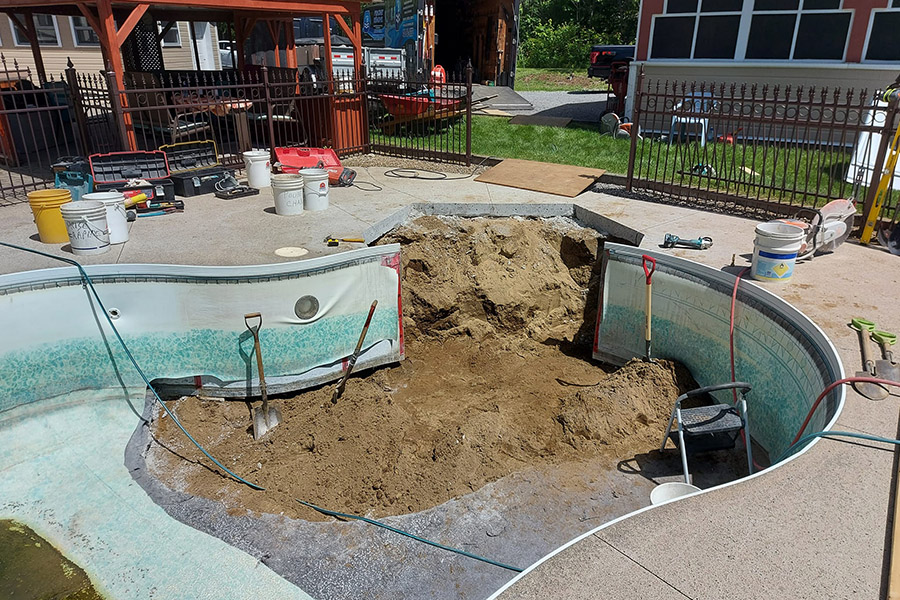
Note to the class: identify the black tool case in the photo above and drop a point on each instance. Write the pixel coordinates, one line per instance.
(113, 171)
(194, 167)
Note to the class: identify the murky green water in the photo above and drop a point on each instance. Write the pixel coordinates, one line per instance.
(32, 569)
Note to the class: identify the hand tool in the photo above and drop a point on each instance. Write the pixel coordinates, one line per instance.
(648, 273)
(264, 419)
(872, 391)
(700, 243)
(886, 368)
(352, 362)
(333, 241)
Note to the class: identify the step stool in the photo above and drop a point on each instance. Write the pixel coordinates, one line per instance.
(708, 428)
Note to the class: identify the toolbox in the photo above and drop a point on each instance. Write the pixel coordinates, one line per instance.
(113, 171)
(195, 167)
(293, 159)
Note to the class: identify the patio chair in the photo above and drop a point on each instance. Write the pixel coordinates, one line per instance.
(692, 112)
(157, 116)
(711, 427)
(286, 123)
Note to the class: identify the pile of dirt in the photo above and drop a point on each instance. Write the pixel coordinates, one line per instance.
(497, 379)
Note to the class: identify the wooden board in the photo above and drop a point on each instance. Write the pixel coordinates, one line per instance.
(562, 180)
(539, 120)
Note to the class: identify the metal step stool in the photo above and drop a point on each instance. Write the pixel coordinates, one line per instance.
(708, 428)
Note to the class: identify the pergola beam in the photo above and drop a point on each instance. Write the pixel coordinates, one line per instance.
(128, 26)
(27, 27)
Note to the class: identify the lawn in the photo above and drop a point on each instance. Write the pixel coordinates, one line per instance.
(557, 80)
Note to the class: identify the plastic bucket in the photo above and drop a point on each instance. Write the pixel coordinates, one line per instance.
(116, 219)
(86, 223)
(45, 208)
(669, 491)
(288, 192)
(775, 251)
(257, 163)
(315, 186)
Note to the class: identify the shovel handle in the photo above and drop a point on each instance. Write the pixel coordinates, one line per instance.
(259, 362)
(884, 338)
(648, 272)
(862, 326)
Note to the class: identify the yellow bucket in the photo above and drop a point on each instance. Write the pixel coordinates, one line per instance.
(45, 206)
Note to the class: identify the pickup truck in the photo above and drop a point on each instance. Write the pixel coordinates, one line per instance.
(603, 56)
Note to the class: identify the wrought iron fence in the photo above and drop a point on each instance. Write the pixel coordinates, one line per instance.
(763, 150)
(258, 107)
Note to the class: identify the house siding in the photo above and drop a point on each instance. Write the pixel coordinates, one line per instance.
(89, 59)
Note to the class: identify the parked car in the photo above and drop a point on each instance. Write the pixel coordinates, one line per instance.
(603, 56)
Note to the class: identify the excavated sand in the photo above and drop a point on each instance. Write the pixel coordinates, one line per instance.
(499, 316)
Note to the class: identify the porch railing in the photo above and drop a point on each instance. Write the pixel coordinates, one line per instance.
(81, 114)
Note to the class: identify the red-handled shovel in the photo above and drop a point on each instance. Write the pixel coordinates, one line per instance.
(648, 273)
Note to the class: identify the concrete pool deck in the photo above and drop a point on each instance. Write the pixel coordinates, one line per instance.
(816, 527)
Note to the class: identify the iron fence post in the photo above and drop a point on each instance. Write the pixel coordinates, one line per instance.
(887, 134)
(635, 127)
(116, 104)
(364, 99)
(77, 106)
(469, 114)
(269, 117)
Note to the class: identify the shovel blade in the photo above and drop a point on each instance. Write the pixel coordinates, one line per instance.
(885, 369)
(263, 425)
(872, 391)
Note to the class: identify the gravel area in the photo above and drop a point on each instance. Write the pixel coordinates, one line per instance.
(578, 106)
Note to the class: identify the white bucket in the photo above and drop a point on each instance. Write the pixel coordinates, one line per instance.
(86, 224)
(669, 491)
(315, 184)
(257, 163)
(288, 192)
(116, 218)
(775, 251)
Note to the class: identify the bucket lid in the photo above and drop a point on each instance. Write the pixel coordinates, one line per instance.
(671, 490)
(82, 207)
(314, 173)
(780, 230)
(256, 154)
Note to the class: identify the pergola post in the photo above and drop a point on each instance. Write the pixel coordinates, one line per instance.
(26, 25)
(291, 45)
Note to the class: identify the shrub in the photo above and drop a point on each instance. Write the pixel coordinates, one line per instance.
(565, 46)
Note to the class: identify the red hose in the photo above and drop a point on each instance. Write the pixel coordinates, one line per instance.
(831, 387)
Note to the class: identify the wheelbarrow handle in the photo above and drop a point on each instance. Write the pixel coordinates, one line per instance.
(648, 272)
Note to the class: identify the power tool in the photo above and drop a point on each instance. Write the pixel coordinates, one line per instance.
(700, 243)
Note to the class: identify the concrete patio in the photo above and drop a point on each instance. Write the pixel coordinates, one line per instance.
(816, 527)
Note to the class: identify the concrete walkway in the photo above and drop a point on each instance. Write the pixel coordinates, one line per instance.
(818, 527)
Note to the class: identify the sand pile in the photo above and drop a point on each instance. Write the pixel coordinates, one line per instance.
(499, 318)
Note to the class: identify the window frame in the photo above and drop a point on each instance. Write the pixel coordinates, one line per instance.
(163, 43)
(746, 15)
(14, 28)
(865, 50)
(87, 25)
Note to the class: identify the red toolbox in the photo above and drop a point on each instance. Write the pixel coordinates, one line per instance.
(294, 159)
(114, 170)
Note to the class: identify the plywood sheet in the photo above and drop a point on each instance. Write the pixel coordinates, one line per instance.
(562, 180)
(539, 120)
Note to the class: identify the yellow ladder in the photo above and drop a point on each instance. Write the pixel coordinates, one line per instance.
(887, 174)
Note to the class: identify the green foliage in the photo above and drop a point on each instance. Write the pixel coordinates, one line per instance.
(563, 46)
(549, 28)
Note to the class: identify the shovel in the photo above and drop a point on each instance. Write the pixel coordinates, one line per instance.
(353, 357)
(648, 273)
(872, 391)
(265, 418)
(886, 368)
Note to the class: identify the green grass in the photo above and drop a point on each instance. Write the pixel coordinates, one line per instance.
(557, 80)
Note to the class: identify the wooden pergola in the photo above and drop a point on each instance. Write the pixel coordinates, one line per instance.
(244, 14)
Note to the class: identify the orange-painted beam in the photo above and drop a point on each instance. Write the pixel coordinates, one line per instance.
(26, 25)
(89, 16)
(343, 7)
(128, 26)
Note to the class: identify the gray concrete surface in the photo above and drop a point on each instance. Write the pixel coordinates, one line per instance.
(818, 527)
(578, 106)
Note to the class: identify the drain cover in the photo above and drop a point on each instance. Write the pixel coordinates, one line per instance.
(291, 251)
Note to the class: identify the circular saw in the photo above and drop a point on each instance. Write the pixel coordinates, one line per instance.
(826, 228)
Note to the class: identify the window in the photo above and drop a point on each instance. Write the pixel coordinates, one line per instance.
(172, 37)
(45, 25)
(82, 33)
(763, 30)
(884, 43)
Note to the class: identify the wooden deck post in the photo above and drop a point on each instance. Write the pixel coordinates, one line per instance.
(26, 25)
